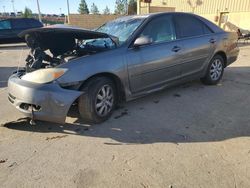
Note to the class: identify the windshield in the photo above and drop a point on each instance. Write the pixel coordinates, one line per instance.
(122, 28)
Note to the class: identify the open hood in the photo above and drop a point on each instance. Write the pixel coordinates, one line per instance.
(64, 30)
(61, 38)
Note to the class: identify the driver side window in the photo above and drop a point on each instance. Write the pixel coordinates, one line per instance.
(160, 29)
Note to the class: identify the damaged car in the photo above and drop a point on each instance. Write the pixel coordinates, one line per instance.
(122, 60)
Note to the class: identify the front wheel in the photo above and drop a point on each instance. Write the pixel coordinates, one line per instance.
(97, 104)
(215, 71)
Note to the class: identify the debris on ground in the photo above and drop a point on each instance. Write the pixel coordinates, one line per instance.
(143, 185)
(55, 137)
(183, 136)
(177, 95)
(12, 164)
(78, 130)
(3, 160)
(156, 101)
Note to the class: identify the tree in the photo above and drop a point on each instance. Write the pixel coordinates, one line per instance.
(106, 10)
(132, 7)
(27, 13)
(120, 6)
(83, 7)
(94, 9)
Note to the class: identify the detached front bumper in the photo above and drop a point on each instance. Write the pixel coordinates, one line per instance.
(47, 102)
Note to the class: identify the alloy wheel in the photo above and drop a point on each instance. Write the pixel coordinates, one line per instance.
(104, 100)
(216, 69)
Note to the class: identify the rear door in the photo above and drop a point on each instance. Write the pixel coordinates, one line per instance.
(32, 23)
(19, 25)
(156, 64)
(198, 43)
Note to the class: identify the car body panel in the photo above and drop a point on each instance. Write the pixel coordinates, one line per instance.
(196, 53)
(153, 65)
(140, 70)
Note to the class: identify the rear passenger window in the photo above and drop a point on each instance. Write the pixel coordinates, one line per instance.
(160, 29)
(33, 23)
(19, 24)
(189, 26)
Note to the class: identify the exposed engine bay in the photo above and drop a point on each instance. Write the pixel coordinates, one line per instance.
(52, 46)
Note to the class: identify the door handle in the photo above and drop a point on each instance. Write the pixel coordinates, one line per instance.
(176, 48)
(212, 41)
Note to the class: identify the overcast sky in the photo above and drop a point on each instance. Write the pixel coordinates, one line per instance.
(53, 6)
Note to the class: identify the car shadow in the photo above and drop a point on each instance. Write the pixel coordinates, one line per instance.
(188, 113)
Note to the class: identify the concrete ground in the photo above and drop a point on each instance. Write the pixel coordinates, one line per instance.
(183, 137)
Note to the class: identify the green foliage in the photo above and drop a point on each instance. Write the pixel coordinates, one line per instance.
(27, 13)
(94, 9)
(106, 10)
(120, 7)
(132, 7)
(83, 7)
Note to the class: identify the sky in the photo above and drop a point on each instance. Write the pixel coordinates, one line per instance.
(53, 6)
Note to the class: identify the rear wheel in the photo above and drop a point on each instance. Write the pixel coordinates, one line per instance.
(215, 71)
(97, 104)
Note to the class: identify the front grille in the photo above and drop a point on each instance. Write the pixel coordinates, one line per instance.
(11, 98)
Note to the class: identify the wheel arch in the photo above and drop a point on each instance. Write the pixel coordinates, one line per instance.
(116, 80)
(223, 55)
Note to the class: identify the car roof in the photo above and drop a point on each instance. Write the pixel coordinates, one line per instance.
(210, 24)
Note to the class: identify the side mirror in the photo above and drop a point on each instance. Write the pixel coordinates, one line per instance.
(141, 41)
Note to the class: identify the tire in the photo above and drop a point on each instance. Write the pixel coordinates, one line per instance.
(99, 100)
(214, 71)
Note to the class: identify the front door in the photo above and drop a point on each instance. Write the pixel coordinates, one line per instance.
(153, 65)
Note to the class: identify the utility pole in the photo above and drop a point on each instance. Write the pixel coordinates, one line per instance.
(13, 6)
(68, 10)
(39, 12)
(127, 6)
